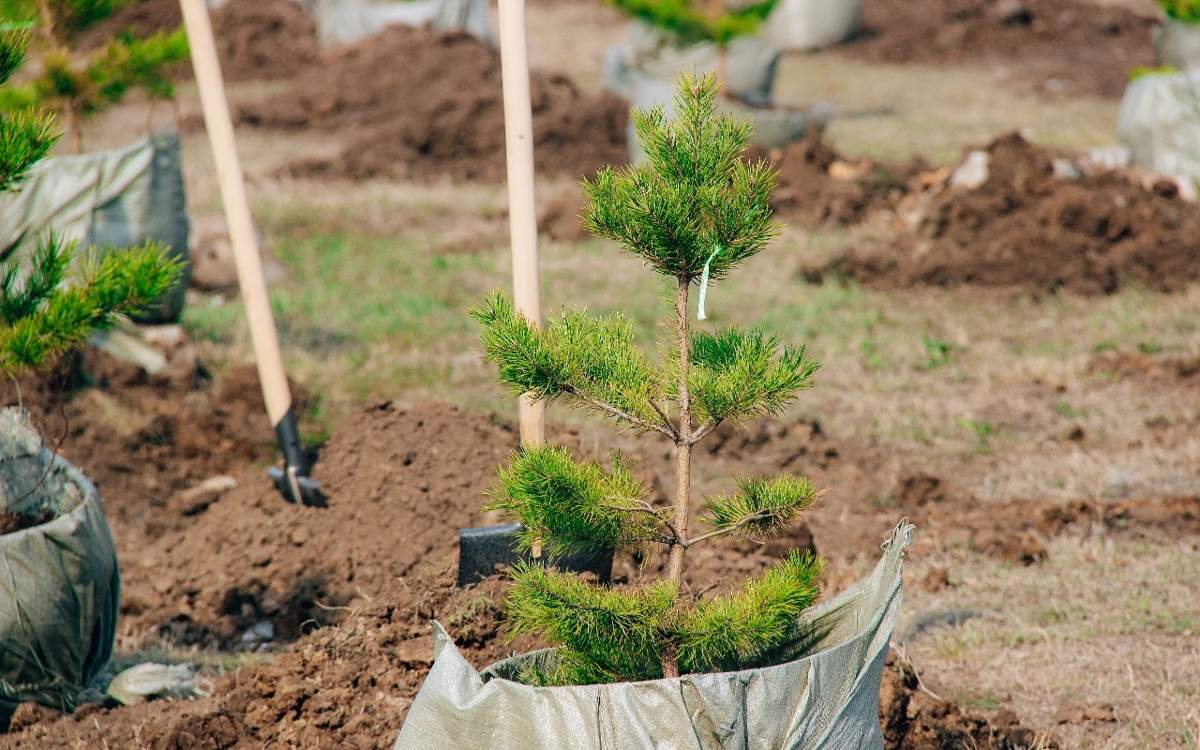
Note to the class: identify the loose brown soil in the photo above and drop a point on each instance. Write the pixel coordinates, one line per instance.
(1031, 228)
(10, 523)
(1059, 47)
(144, 438)
(404, 480)
(439, 114)
(818, 186)
(351, 686)
(378, 564)
(256, 39)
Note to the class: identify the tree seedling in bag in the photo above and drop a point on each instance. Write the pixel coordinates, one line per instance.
(694, 212)
(698, 22)
(52, 302)
(79, 88)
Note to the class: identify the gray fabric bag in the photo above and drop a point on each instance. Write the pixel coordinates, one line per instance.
(819, 691)
(107, 199)
(350, 21)
(1159, 122)
(59, 581)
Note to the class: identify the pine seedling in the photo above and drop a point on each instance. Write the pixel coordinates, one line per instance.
(50, 302)
(699, 21)
(694, 212)
(76, 87)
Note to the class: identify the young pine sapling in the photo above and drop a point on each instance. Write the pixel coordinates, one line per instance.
(49, 304)
(78, 88)
(694, 23)
(694, 210)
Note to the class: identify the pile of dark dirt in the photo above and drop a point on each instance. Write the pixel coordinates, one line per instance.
(914, 719)
(1058, 46)
(352, 685)
(404, 480)
(1030, 226)
(819, 186)
(256, 39)
(142, 439)
(343, 687)
(439, 113)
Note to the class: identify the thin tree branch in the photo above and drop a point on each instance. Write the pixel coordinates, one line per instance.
(762, 514)
(703, 431)
(666, 420)
(618, 413)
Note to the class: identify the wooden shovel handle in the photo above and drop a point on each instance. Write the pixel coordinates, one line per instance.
(253, 287)
(522, 213)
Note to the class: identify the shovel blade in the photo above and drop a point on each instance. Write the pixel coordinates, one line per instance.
(288, 483)
(481, 550)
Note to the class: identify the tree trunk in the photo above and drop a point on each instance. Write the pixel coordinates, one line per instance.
(683, 462)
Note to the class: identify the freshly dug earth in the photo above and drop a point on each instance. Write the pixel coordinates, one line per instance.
(351, 687)
(256, 39)
(819, 186)
(438, 113)
(378, 564)
(1068, 47)
(1030, 228)
(401, 482)
(142, 439)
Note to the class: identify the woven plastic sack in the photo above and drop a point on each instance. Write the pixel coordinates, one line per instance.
(1159, 122)
(811, 24)
(106, 199)
(349, 21)
(648, 52)
(819, 691)
(59, 581)
(773, 128)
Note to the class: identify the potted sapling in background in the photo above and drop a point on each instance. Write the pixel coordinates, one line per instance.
(1159, 120)
(60, 588)
(112, 198)
(672, 37)
(653, 665)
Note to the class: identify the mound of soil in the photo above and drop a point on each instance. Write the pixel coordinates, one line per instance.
(142, 439)
(817, 185)
(914, 719)
(1059, 46)
(1028, 225)
(351, 686)
(439, 114)
(256, 39)
(403, 480)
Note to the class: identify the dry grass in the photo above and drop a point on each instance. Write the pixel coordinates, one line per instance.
(1102, 623)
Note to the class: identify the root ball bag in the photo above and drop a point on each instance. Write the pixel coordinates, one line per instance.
(59, 582)
(107, 199)
(817, 691)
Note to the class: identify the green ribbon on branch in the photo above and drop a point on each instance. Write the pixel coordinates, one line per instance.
(704, 284)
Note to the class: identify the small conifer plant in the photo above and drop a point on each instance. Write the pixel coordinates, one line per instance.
(700, 21)
(79, 87)
(45, 308)
(694, 211)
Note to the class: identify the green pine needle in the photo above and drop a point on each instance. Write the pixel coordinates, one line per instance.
(694, 192)
(42, 322)
(744, 374)
(730, 631)
(605, 634)
(691, 25)
(764, 506)
(25, 138)
(13, 43)
(574, 507)
(591, 361)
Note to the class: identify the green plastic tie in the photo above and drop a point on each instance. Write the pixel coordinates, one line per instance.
(704, 283)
